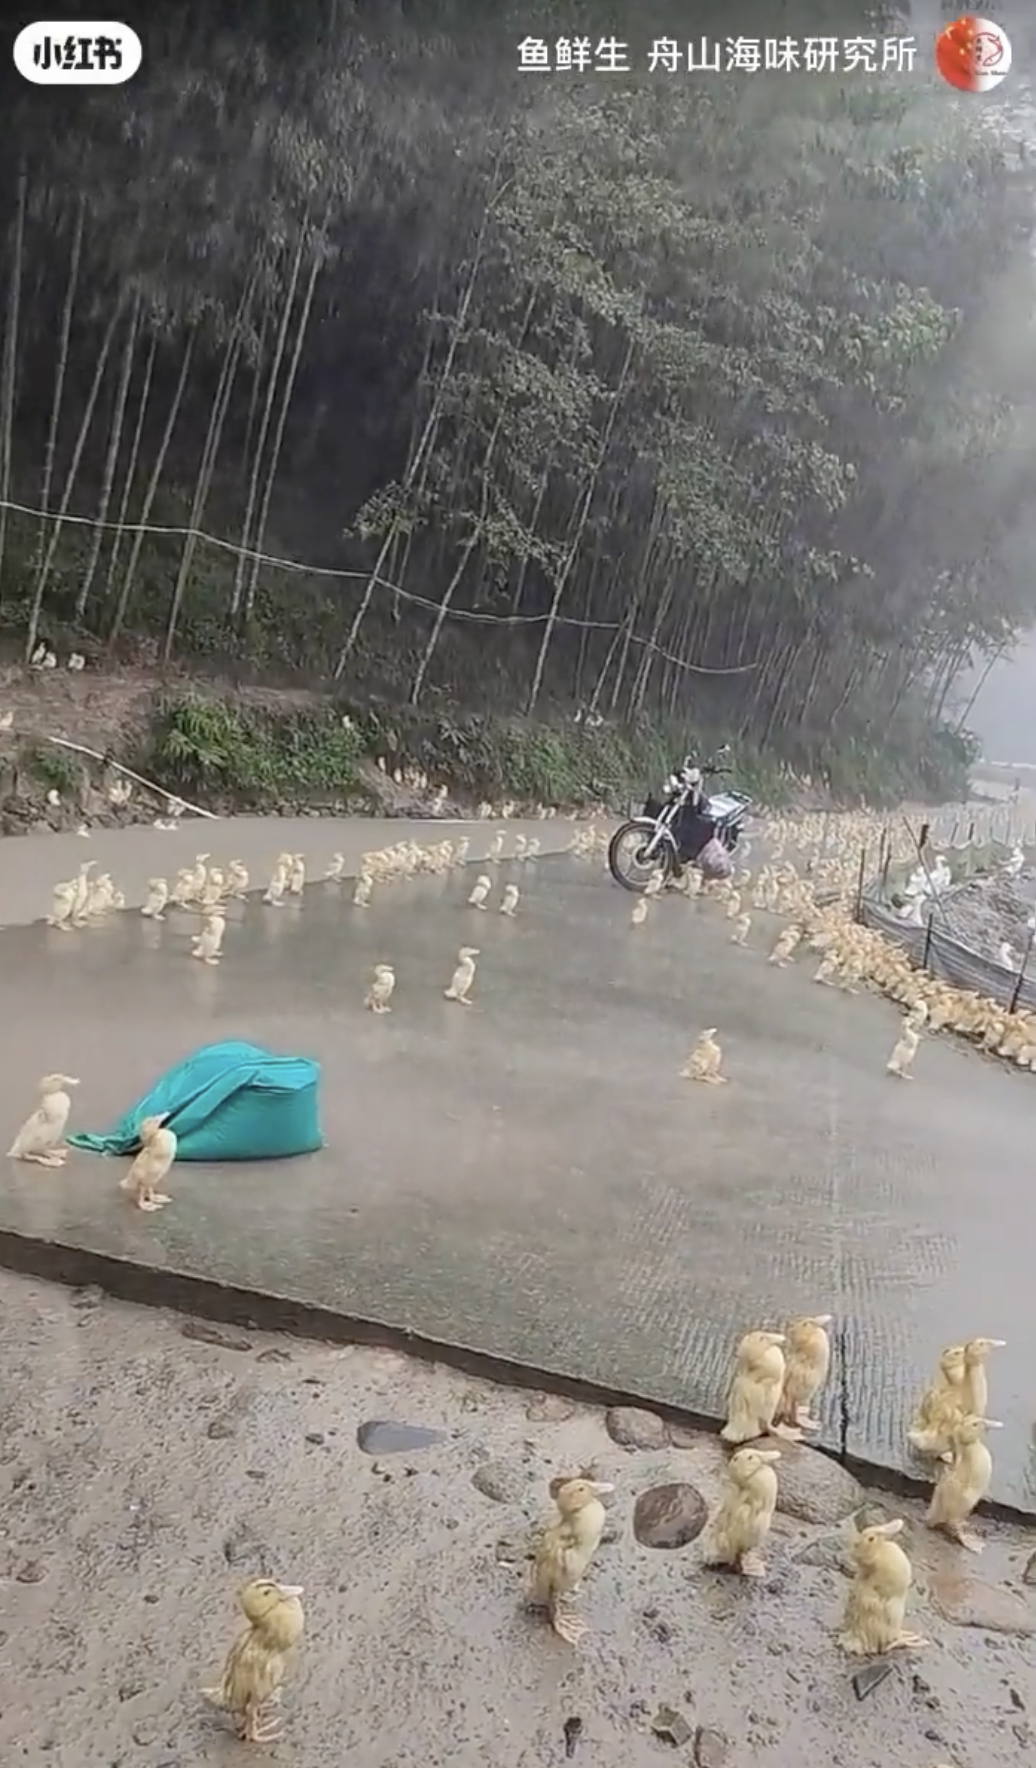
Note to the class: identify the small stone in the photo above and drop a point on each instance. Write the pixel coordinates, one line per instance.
(89, 1297)
(145, 1731)
(505, 1482)
(381, 1436)
(572, 1731)
(633, 1428)
(711, 1749)
(971, 1602)
(316, 1437)
(274, 1354)
(680, 1437)
(243, 1547)
(224, 1338)
(1029, 1574)
(669, 1516)
(222, 1427)
(549, 1409)
(672, 1727)
(870, 1676)
(32, 1572)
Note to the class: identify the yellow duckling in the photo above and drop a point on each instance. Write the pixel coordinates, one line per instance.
(639, 912)
(807, 1357)
(975, 1385)
(741, 1522)
(39, 1139)
(704, 1061)
(362, 891)
(941, 1405)
(755, 1391)
(206, 947)
(477, 899)
(379, 993)
(82, 895)
(565, 1550)
(496, 847)
(902, 1058)
(463, 976)
(297, 875)
(333, 874)
(964, 1483)
(875, 1608)
(274, 894)
(259, 1658)
(742, 926)
(510, 902)
(237, 881)
(63, 899)
(156, 1157)
(154, 904)
(784, 950)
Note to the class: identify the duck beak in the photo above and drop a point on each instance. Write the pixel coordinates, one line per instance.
(822, 1319)
(602, 1488)
(290, 1590)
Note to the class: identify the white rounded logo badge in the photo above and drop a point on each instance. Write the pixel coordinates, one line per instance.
(77, 52)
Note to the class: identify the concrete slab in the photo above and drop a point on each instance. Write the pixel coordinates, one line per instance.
(530, 1179)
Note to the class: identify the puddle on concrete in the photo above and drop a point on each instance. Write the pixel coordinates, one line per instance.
(382, 1437)
(672, 1515)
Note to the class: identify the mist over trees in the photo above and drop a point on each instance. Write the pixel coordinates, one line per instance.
(696, 400)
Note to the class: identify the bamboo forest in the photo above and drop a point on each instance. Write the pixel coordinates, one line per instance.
(344, 354)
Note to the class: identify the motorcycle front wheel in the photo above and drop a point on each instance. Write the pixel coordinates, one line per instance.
(628, 860)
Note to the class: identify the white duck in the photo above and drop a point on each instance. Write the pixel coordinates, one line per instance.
(39, 1139)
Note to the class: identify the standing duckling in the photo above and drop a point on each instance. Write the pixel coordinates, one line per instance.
(258, 1659)
(477, 899)
(565, 1550)
(733, 908)
(362, 892)
(156, 1156)
(274, 894)
(784, 950)
(704, 1060)
(902, 1058)
(237, 881)
(510, 902)
(496, 847)
(741, 1522)
(39, 1139)
(463, 976)
(964, 1483)
(975, 1390)
(333, 875)
(82, 895)
(153, 906)
(379, 993)
(941, 1405)
(741, 930)
(639, 912)
(63, 899)
(461, 851)
(807, 1357)
(532, 851)
(755, 1390)
(875, 1608)
(297, 875)
(207, 945)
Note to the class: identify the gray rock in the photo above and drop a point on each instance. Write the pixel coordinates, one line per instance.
(1029, 1574)
(549, 1409)
(813, 1488)
(632, 1428)
(505, 1482)
(971, 1602)
(669, 1516)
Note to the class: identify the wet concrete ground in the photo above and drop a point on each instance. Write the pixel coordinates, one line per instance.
(146, 1475)
(530, 1177)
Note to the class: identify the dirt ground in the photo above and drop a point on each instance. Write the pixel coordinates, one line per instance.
(146, 1473)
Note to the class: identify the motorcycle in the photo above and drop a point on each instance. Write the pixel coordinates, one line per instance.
(673, 831)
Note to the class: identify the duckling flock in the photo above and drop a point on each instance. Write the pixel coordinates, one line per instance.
(816, 893)
(777, 1377)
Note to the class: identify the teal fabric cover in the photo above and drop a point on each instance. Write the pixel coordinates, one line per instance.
(229, 1101)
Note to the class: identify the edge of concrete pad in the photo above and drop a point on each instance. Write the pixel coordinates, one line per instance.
(256, 1310)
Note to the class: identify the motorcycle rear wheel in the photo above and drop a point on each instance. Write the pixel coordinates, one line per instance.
(625, 851)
